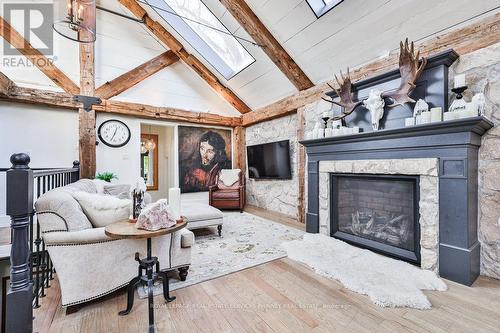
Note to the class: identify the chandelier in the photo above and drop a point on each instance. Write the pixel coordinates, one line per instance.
(77, 26)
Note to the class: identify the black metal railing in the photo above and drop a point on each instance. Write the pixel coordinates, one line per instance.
(31, 267)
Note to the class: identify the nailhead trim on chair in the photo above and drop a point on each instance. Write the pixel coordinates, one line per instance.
(78, 244)
(49, 231)
(51, 212)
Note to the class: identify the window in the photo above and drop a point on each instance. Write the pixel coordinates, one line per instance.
(321, 7)
(195, 23)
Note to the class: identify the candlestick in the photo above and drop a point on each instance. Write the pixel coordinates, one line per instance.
(459, 81)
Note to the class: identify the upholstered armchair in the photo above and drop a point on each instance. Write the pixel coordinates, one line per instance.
(229, 190)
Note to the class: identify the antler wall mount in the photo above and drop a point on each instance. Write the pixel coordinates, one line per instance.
(411, 67)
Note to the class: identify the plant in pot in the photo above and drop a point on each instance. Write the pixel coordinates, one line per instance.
(106, 176)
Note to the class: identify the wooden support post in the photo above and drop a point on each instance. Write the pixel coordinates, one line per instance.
(86, 119)
(301, 163)
(5, 84)
(19, 309)
(239, 149)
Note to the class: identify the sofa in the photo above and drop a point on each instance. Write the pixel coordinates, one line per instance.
(88, 263)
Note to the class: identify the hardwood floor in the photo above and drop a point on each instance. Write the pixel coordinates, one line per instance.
(280, 296)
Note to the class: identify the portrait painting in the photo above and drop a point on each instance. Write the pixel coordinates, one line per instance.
(203, 152)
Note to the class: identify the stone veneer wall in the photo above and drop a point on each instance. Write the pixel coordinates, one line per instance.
(426, 168)
(482, 70)
(276, 195)
(482, 74)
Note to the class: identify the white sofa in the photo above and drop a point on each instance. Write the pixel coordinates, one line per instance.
(90, 264)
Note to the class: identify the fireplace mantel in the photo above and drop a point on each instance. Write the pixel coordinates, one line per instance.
(456, 144)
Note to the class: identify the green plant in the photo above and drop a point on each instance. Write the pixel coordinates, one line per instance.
(106, 176)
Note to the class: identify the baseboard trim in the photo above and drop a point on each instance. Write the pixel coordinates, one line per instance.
(275, 217)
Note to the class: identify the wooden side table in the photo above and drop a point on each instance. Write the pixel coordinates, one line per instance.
(125, 229)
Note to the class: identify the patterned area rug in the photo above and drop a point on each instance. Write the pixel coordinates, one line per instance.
(247, 240)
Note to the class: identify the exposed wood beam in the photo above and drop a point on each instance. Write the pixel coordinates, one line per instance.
(261, 35)
(467, 39)
(65, 101)
(301, 164)
(136, 75)
(5, 84)
(44, 64)
(173, 44)
(239, 144)
(165, 113)
(86, 119)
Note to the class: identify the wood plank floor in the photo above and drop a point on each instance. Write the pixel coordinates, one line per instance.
(280, 296)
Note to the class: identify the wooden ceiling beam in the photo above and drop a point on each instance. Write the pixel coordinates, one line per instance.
(136, 75)
(44, 64)
(173, 44)
(65, 101)
(464, 40)
(262, 36)
(5, 84)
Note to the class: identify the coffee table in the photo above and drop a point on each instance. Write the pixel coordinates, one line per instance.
(125, 229)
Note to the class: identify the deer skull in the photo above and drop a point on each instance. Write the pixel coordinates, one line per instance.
(375, 104)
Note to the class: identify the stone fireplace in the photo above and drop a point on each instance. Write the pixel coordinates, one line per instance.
(388, 205)
(439, 159)
(378, 212)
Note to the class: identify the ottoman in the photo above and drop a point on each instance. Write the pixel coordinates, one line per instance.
(201, 215)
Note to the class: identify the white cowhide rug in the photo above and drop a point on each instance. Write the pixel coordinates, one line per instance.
(388, 282)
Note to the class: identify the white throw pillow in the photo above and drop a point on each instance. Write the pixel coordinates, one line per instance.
(102, 210)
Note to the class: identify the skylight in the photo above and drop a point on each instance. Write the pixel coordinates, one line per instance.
(321, 7)
(196, 23)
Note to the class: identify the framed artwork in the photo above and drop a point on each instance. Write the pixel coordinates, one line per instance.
(202, 153)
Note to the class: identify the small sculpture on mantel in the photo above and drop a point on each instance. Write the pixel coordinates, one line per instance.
(420, 106)
(479, 103)
(411, 66)
(375, 104)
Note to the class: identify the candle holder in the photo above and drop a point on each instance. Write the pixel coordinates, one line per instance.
(459, 103)
(325, 120)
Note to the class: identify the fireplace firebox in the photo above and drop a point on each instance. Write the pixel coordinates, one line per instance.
(377, 212)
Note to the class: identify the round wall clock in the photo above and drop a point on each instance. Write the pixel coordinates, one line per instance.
(114, 133)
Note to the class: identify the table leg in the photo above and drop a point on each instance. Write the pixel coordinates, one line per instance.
(150, 291)
(130, 295)
(166, 287)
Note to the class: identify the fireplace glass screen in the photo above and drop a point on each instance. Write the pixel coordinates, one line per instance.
(381, 209)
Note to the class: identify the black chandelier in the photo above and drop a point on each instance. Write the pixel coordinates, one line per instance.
(77, 26)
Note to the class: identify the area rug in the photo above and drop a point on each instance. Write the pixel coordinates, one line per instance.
(247, 240)
(388, 282)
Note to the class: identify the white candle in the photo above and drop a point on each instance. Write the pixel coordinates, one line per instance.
(328, 132)
(336, 132)
(174, 200)
(436, 114)
(459, 81)
(355, 129)
(409, 121)
(425, 117)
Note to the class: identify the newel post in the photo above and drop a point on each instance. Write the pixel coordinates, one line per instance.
(19, 311)
(75, 175)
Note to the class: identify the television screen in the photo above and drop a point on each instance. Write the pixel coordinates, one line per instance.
(269, 160)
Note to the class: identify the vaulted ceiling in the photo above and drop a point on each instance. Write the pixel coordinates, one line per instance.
(353, 33)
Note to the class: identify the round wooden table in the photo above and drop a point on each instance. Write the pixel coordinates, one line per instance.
(125, 229)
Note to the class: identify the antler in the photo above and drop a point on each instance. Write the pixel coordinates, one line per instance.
(410, 67)
(345, 94)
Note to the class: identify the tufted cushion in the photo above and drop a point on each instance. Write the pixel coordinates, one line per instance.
(57, 210)
(226, 194)
(102, 210)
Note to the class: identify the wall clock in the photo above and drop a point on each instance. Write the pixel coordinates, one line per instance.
(114, 133)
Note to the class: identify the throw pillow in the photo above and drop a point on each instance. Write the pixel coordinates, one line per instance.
(102, 210)
(121, 191)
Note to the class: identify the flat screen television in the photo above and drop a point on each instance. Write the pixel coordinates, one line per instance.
(269, 160)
